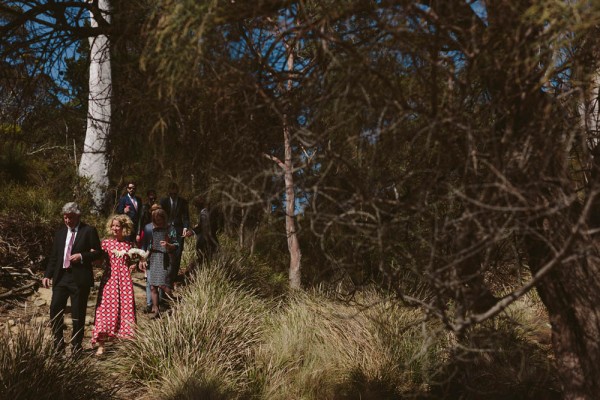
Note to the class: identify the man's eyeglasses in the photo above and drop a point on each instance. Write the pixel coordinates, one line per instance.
(131, 187)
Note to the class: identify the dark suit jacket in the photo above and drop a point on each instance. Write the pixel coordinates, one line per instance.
(133, 213)
(206, 235)
(145, 217)
(86, 240)
(179, 216)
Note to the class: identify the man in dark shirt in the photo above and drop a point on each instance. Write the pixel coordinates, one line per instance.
(178, 215)
(131, 205)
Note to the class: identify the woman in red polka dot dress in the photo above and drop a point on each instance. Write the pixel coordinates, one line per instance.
(115, 309)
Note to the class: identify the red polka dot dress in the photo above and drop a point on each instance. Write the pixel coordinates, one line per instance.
(115, 310)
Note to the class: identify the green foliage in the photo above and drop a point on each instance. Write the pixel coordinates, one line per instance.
(30, 370)
(14, 165)
(261, 271)
(34, 201)
(44, 201)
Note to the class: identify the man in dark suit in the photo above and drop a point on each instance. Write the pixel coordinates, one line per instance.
(178, 215)
(131, 205)
(145, 216)
(205, 231)
(76, 245)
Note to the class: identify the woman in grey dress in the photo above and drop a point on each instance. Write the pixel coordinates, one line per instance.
(160, 240)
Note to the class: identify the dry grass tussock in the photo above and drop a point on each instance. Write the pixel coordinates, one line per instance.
(225, 342)
(30, 370)
(201, 350)
(317, 348)
(509, 357)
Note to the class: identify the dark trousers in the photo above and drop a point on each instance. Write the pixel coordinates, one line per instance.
(204, 250)
(176, 261)
(79, 297)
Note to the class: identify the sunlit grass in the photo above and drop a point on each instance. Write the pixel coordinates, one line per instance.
(203, 347)
(318, 348)
(224, 341)
(30, 370)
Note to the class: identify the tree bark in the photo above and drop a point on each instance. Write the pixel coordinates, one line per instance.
(570, 292)
(94, 160)
(290, 195)
(290, 206)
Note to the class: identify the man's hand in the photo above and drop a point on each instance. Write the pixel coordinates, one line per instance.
(75, 258)
(143, 265)
(126, 209)
(46, 282)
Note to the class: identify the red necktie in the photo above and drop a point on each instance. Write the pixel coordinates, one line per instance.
(67, 262)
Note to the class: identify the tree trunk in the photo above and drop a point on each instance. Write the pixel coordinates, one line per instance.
(290, 208)
(242, 228)
(94, 160)
(571, 293)
(290, 195)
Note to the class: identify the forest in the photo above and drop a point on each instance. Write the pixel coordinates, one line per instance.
(406, 193)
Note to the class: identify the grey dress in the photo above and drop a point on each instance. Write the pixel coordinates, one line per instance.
(158, 262)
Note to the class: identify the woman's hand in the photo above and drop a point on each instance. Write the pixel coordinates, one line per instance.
(168, 246)
(143, 265)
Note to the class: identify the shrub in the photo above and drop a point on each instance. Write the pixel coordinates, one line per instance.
(31, 200)
(252, 270)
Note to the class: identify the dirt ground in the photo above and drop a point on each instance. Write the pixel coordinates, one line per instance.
(36, 308)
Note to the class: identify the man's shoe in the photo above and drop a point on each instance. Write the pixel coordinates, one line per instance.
(148, 310)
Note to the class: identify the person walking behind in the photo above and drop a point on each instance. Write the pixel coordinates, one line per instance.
(206, 238)
(115, 309)
(145, 219)
(146, 214)
(161, 242)
(69, 271)
(179, 217)
(131, 205)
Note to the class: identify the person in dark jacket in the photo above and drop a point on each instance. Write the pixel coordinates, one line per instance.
(130, 205)
(205, 232)
(179, 217)
(69, 270)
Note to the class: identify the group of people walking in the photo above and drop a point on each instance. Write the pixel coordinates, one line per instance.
(146, 235)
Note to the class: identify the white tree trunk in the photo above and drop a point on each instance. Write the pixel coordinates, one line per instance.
(94, 159)
(590, 111)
